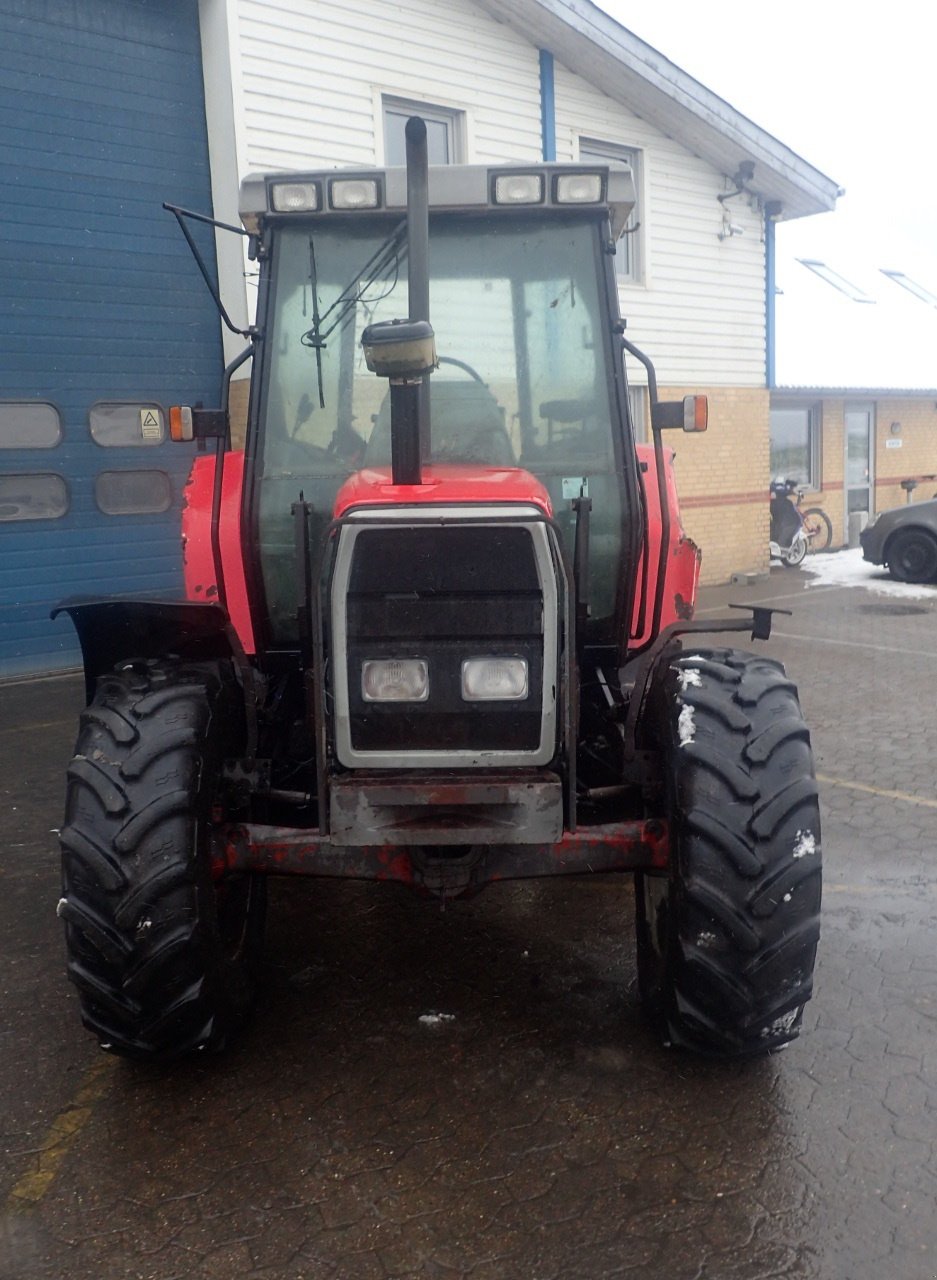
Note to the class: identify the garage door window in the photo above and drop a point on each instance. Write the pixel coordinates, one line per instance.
(29, 424)
(42, 496)
(124, 424)
(132, 493)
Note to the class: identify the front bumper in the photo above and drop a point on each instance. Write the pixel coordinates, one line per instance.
(641, 845)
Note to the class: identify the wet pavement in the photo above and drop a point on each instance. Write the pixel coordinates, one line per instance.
(473, 1093)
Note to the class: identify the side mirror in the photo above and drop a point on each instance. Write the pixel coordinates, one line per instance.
(689, 414)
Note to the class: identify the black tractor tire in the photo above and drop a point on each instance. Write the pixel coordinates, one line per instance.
(164, 956)
(727, 940)
(912, 556)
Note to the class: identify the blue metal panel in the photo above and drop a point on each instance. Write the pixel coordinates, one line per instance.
(101, 119)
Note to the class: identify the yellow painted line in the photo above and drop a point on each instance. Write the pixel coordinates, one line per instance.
(878, 791)
(61, 1137)
(804, 593)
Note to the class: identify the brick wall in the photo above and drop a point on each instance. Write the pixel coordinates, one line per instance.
(916, 459)
(722, 479)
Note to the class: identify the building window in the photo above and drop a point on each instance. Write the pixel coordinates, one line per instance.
(126, 424)
(29, 424)
(132, 493)
(795, 444)
(445, 131)
(628, 266)
(41, 496)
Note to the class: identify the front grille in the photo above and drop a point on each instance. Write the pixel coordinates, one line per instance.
(443, 585)
(444, 595)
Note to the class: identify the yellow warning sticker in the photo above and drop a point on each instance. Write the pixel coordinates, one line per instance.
(151, 428)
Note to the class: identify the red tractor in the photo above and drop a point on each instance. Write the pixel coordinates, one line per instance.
(435, 629)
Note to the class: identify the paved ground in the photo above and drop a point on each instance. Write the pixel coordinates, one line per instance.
(540, 1132)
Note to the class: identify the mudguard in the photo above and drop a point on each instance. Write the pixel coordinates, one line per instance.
(112, 630)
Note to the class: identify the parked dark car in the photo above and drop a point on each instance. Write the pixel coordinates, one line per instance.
(905, 539)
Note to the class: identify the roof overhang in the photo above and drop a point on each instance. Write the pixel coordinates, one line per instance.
(607, 55)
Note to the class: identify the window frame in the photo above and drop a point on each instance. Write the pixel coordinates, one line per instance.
(629, 266)
(814, 411)
(453, 117)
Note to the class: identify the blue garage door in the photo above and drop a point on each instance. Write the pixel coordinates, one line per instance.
(104, 321)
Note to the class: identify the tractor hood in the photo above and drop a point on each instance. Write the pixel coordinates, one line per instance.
(450, 485)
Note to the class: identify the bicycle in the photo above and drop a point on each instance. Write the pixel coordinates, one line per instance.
(817, 524)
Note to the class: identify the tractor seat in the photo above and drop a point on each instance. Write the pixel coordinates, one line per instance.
(467, 425)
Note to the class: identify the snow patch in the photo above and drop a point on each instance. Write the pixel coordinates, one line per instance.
(60, 907)
(435, 1019)
(706, 940)
(805, 844)
(848, 569)
(687, 677)
(787, 897)
(686, 727)
(784, 1023)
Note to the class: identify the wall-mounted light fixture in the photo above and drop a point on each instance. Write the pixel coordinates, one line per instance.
(743, 174)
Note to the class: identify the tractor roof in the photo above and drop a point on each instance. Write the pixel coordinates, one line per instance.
(351, 192)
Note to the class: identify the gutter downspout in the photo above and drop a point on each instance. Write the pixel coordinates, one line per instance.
(770, 293)
(547, 105)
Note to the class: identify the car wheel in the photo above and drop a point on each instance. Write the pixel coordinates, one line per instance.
(911, 556)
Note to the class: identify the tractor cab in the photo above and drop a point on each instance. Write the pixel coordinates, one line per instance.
(528, 380)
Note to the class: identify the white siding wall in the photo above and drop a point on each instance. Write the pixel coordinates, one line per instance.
(310, 77)
(314, 70)
(699, 310)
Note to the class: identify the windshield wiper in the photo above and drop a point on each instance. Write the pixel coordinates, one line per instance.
(386, 255)
(316, 321)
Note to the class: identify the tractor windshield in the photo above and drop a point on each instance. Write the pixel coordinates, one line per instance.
(521, 327)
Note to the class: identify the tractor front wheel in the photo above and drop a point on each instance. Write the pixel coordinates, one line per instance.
(163, 955)
(727, 940)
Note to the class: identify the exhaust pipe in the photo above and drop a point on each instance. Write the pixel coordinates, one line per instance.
(409, 408)
(404, 351)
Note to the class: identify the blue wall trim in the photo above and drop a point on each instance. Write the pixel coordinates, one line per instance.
(770, 293)
(547, 106)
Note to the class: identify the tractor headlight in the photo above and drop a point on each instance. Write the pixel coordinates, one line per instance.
(354, 193)
(294, 197)
(579, 188)
(395, 680)
(494, 679)
(519, 188)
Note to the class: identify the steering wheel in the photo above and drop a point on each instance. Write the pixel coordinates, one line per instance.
(461, 364)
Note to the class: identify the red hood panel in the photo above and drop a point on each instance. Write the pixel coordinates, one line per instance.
(443, 484)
